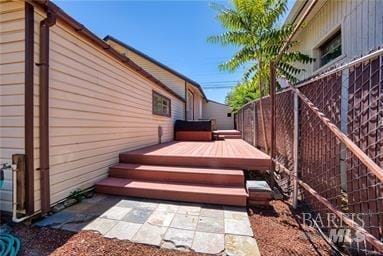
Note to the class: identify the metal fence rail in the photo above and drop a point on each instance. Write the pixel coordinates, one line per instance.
(347, 99)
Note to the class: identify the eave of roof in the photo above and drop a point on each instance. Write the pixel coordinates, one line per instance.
(216, 102)
(295, 11)
(47, 5)
(156, 62)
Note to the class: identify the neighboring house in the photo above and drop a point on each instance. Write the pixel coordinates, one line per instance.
(212, 110)
(72, 122)
(337, 31)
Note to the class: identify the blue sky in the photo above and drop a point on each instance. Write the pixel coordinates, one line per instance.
(173, 32)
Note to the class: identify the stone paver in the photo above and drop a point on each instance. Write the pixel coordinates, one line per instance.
(208, 242)
(147, 205)
(212, 212)
(79, 208)
(101, 225)
(207, 229)
(179, 237)
(161, 218)
(97, 198)
(241, 246)
(235, 213)
(238, 227)
(168, 207)
(123, 230)
(189, 209)
(77, 222)
(56, 219)
(150, 234)
(183, 221)
(99, 208)
(116, 213)
(138, 215)
(212, 225)
(128, 203)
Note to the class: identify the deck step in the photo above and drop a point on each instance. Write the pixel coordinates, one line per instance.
(223, 177)
(227, 134)
(223, 195)
(231, 136)
(196, 161)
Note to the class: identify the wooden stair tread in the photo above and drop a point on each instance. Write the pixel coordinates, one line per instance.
(163, 168)
(172, 187)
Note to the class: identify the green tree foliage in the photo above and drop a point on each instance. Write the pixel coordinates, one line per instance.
(241, 94)
(253, 26)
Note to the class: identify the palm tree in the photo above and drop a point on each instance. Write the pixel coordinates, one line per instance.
(253, 26)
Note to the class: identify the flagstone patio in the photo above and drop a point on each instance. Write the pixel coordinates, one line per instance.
(175, 225)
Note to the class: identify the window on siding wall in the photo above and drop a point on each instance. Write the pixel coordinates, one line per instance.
(161, 105)
(331, 49)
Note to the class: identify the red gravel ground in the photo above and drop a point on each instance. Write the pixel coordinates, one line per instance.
(276, 230)
(279, 233)
(44, 241)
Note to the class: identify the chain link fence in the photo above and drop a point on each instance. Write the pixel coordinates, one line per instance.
(351, 98)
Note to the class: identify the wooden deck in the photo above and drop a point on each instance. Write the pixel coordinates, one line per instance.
(204, 172)
(229, 153)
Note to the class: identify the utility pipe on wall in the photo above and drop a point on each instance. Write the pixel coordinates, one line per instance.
(28, 109)
(45, 24)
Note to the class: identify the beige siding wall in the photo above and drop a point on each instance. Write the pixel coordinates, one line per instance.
(98, 108)
(361, 23)
(172, 81)
(11, 91)
(218, 111)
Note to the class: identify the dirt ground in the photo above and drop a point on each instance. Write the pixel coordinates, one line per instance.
(279, 233)
(276, 230)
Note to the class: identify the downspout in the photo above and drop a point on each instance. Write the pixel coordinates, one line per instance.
(45, 24)
(28, 110)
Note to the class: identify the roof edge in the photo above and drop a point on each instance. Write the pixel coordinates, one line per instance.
(47, 5)
(216, 102)
(296, 10)
(156, 62)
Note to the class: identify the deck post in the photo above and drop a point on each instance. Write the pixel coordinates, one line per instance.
(295, 150)
(273, 121)
(242, 129)
(254, 124)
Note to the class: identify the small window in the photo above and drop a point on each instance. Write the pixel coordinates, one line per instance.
(331, 49)
(161, 105)
(228, 114)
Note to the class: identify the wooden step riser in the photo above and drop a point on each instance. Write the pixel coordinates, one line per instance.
(179, 177)
(232, 136)
(233, 200)
(229, 133)
(207, 162)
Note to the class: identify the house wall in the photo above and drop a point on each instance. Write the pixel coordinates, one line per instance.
(361, 23)
(98, 108)
(12, 23)
(198, 101)
(172, 81)
(218, 111)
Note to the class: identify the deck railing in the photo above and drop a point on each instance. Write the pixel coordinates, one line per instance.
(337, 117)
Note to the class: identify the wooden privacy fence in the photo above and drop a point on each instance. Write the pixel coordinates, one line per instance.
(334, 176)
